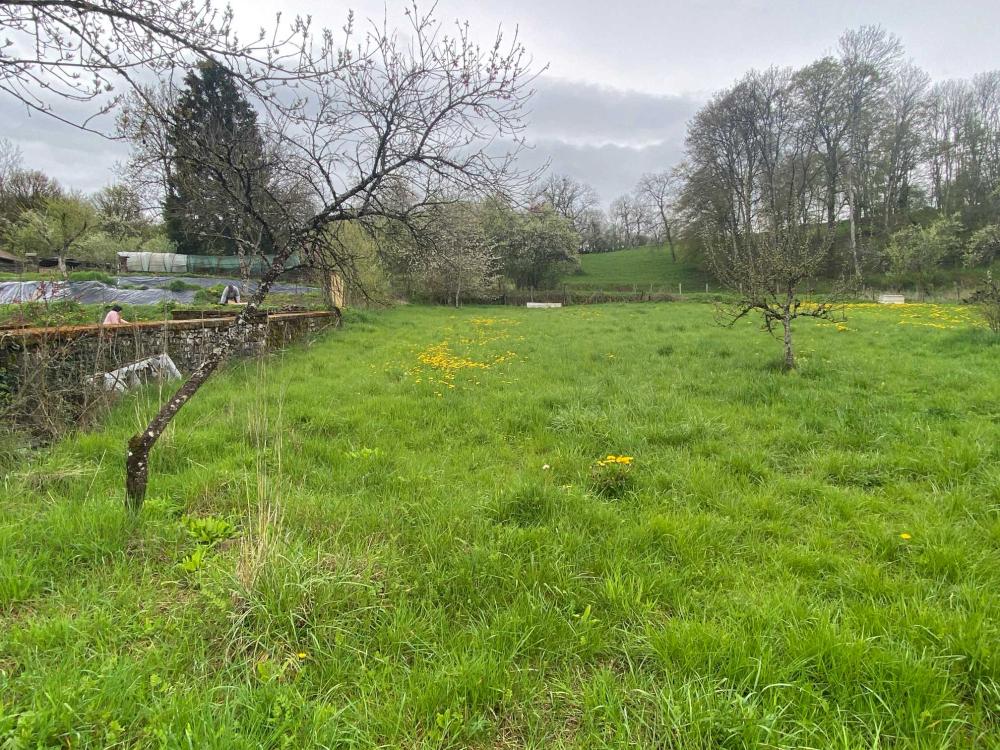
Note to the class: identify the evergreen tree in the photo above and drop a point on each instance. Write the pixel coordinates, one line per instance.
(217, 150)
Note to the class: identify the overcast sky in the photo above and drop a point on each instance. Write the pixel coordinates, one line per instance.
(622, 79)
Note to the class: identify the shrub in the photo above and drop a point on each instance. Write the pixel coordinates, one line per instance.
(179, 285)
(984, 246)
(988, 297)
(208, 295)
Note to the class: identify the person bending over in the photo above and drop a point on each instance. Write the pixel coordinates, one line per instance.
(231, 294)
(114, 316)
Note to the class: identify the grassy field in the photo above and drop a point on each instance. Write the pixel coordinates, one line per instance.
(638, 267)
(404, 536)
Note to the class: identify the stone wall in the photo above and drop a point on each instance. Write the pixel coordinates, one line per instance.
(68, 355)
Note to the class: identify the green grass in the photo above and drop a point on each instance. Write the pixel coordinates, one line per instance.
(180, 285)
(52, 274)
(66, 312)
(71, 312)
(357, 543)
(104, 278)
(639, 268)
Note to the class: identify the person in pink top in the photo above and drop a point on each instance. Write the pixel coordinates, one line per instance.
(114, 316)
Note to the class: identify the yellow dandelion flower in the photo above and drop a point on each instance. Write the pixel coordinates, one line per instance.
(905, 537)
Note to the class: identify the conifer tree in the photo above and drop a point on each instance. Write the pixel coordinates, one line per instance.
(212, 124)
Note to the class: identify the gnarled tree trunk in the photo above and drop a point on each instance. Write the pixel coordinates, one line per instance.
(140, 444)
(786, 323)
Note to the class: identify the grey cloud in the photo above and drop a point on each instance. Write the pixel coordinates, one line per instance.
(585, 113)
(604, 136)
(661, 47)
(611, 169)
(77, 159)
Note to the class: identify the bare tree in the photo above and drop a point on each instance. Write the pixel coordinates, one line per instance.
(348, 122)
(419, 115)
(10, 161)
(661, 193)
(140, 122)
(570, 198)
(10, 164)
(768, 275)
(631, 220)
(900, 138)
(964, 146)
(25, 190)
(760, 200)
(869, 57)
(822, 100)
(595, 232)
(987, 91)
(83, 56)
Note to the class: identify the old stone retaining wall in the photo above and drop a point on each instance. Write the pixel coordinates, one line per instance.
(68, 355)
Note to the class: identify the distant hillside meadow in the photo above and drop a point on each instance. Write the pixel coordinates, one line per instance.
(650, 266)
(596, 526)
(622, 270)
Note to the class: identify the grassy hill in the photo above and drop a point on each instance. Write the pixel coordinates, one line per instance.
(637, 267)
(644, 267)
(409, 534)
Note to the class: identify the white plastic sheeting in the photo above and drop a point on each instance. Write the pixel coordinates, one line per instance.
(154, 262)
(133, 375)
(96, 292)
(14, 292)
(90, 292)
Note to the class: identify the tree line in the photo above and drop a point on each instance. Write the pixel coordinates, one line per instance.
(647, 215)
(457, 246)
(39, 216)
(905, 171)
(853, 165)
(172, 199)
